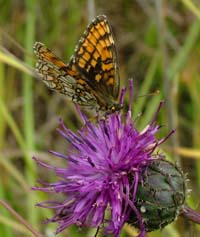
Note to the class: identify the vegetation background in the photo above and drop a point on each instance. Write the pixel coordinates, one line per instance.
(158, 43)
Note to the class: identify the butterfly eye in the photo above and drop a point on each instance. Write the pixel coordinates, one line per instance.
(116, 107)
(113, 108)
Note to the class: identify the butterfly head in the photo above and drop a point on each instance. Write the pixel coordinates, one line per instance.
(113, 107)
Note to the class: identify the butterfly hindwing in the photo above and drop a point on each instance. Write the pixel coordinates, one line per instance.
(57, 76)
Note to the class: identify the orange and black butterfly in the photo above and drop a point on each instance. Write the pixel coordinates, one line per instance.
(91, 78)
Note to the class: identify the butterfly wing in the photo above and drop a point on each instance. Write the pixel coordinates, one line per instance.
(59, 77)
(95, 60)
(92, 77)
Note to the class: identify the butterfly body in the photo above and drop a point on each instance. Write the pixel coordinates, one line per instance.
(91, 78)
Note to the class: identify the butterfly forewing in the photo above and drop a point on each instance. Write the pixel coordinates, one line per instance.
(96, 59)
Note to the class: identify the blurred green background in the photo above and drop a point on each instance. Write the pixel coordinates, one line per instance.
(158, 43)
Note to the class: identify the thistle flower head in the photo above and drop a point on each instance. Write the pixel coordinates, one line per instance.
(103, 168)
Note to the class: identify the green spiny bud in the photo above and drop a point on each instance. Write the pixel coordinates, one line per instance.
(160, 196)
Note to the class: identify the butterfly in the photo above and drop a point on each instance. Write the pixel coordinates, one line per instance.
(91, 78)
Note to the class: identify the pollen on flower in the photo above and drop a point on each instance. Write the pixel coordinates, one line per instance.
(104, 164)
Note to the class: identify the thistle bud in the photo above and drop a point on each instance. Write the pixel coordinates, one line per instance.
(160, 195)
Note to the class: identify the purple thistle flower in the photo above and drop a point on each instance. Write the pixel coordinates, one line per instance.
(104, 164)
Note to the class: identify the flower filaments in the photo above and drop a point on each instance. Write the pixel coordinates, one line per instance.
(96, 178)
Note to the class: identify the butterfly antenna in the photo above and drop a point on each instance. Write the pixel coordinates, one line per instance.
(157, 92)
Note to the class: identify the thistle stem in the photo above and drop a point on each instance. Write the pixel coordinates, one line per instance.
(190, 214)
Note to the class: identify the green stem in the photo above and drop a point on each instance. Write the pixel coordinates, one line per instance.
(28, 108)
